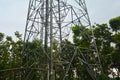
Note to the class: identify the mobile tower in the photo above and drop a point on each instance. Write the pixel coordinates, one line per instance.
(49, 22)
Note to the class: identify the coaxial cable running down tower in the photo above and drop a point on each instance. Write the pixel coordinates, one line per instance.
(52, 56)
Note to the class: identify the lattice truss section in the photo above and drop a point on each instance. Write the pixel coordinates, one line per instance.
(65, 14)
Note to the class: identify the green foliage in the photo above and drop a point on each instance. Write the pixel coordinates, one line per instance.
(81, 34)
(103, 77)
(1, 36)
(9, 56)
(108, 45)
(116, 52)
(116, 38)
(115, 23)
(104, 40)
(18, 35)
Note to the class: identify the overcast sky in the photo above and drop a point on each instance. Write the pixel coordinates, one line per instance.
(13, 13)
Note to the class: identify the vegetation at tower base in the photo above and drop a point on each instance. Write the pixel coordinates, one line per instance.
(9, 56)
(108, 44)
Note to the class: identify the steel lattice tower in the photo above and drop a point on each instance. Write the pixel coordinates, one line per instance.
(49, 21)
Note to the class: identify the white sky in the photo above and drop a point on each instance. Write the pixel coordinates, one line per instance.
(13, 13)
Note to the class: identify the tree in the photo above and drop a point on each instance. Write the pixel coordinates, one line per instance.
(9, 56)
(115, 23)
(107, 43)
(103, 40)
